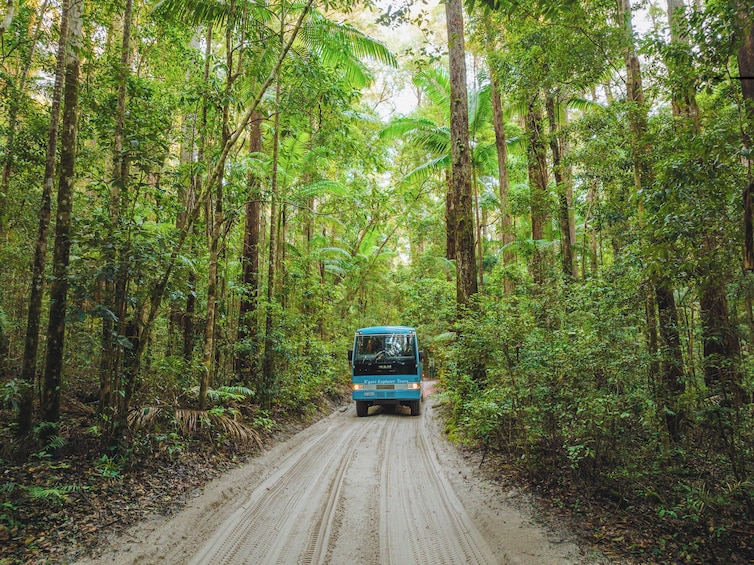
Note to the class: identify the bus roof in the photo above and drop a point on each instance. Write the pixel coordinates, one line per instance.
(385, 330)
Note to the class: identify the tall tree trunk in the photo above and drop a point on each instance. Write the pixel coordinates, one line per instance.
(538, 180)
(672, 370)
(121, 169)
(268, 358)
(590, 238)
(450, 220)
(460, 176)
(745, 57)
(53, 378)
(479, 231)
(682, 79)
(562, 182)
(188, 147)
(721, 347)
(113, 375)
(31, 344)
(672, 358)
(208, 357)
(506, 221)
(247, 324)
(215, 220)
(209, 229)
(635, 95)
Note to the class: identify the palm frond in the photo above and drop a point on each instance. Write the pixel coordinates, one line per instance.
(480, 108)
(143, 418)
(324, 187)
(435, 142)
(334, 251)
(252, 14)
(435, 82)
(427, 170)
(485, 159)
(342, 46)
(192, 421)
(519, 108)
(225, 393)
(336, 268)
(402, 126)
(193, 11)
(517, 144)
(582, 104)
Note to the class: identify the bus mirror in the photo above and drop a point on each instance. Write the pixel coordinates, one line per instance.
(350, 355)
(421, 356)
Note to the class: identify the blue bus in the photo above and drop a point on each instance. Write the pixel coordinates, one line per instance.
(387, 368)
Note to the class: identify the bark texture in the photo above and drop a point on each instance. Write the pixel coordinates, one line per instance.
(33, 321)
(53, 378)
(460, 175)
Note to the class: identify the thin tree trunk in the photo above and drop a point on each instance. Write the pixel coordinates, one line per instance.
(188, 147)
(53, 378)
(672, 358)
(672, 354)
(31, 345)
(208, 356)
(479, 231)
(561, 181)
(590, 238)
(450, 220)
(113, 377)
(506, 222)
(268, 358)
(247, 326)
(537, 167)
(721, 347)
(215, 219)
(460, 181)
(10, 13)
(745, 57)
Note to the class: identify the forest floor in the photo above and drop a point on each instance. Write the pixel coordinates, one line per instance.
(57, 510)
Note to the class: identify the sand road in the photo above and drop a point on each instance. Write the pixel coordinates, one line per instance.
(387, 489)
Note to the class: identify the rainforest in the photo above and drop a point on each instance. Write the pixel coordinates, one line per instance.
(202, 200)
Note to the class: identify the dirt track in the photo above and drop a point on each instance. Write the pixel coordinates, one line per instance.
(380, 490)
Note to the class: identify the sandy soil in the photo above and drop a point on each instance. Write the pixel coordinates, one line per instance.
(380, 490)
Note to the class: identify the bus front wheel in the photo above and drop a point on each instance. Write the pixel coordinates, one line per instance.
(362, 408)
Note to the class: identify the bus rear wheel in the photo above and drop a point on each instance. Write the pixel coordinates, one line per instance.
(362, 408)
(416, 407)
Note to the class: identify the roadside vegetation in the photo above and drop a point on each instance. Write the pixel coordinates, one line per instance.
(201, 201)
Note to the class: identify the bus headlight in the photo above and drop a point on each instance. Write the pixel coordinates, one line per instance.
(414, 386)
(357, 386)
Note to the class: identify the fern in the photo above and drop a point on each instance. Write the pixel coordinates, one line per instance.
(56, 494)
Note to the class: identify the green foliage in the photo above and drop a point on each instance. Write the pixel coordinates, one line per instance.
(229, 393)
(108, 467)
(57, 495)
(11, 393)
(263, 421)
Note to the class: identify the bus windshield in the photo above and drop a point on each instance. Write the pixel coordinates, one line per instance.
(385, 348)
